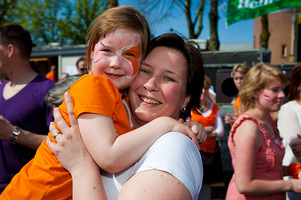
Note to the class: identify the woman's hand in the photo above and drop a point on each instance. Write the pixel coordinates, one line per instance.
(296, 147)
(69, 149)
(229, 119)
(296, 185)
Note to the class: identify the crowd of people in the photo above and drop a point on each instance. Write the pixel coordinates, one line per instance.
(139, 121)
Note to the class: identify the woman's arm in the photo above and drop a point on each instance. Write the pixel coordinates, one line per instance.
(219, 126)
(289, 126)
(247, 139)
(170, 169)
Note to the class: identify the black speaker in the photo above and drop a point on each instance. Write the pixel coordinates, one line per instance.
(225, 87)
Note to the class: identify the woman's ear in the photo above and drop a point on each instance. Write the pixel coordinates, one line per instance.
(256, 95)
(186, 101)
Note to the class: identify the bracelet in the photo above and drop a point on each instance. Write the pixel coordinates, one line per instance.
(294, 169)
(14, 135)
(292, 186)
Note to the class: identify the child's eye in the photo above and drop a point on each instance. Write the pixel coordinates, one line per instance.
(130, 54)
(107, 50)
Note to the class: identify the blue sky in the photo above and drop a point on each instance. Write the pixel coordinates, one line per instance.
(240, 32)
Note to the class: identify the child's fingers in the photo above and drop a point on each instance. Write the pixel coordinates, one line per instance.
(193, 138)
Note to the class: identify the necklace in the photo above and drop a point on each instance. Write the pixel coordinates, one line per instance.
(203, 108)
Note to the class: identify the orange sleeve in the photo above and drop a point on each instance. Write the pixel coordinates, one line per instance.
(98, 95)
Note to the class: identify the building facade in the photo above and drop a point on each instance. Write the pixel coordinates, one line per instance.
(284, 35)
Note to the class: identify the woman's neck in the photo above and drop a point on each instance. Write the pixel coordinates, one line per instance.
(260, 114)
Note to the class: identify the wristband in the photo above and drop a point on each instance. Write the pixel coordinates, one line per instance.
(294, 169)
(14, 135)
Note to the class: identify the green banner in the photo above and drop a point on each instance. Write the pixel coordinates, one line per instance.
(239, 10)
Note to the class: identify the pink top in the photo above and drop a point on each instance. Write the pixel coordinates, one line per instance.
(268, 162)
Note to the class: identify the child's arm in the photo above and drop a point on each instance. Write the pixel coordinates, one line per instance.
(117, 153)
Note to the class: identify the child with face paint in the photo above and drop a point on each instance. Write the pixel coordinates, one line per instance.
(116, 46)
(254, 142)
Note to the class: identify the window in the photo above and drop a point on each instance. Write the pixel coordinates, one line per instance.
(284, 51)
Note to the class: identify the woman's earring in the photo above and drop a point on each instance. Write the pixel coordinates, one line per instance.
(183, 109)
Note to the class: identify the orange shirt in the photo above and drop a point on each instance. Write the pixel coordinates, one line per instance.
(235, 105)
(209, 144)
(44, 177)
(50, 76)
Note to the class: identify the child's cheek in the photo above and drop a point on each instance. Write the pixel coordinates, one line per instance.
(99, 65)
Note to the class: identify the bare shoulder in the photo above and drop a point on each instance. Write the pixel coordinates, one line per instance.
(247, 130)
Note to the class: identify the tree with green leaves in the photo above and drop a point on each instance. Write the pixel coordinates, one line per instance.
(5, 7)
(79, 17)
(48, 21)
(39, 17)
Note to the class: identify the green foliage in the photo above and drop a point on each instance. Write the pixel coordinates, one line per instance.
(80, 16)
(5, 7)
(48, 21)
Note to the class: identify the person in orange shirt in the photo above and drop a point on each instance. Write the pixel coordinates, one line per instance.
(117, 43)
(52, 74)
(238, 72)
(210, 118)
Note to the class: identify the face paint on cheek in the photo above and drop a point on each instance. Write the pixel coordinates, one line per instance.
(136, 50)
(266, 97)
(95, 56)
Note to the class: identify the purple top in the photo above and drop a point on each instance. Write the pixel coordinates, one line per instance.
(28, 110)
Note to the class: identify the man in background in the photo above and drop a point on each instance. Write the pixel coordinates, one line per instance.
(81, 66)
(24, 116)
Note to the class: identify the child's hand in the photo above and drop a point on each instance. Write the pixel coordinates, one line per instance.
(197, 129)
(178, 126)
(296, 147)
